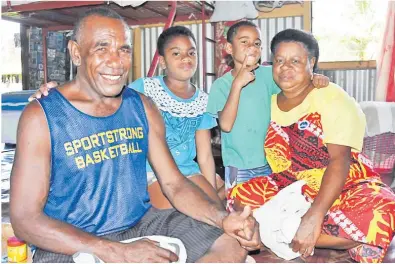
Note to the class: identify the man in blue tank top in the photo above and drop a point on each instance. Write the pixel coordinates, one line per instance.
(81, 184)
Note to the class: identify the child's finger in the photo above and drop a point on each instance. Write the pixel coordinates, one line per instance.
(245, 62)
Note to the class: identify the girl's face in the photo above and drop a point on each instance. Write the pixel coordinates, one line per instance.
(180, 58)
(246, 42)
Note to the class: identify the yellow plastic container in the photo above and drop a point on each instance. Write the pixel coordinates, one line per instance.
(17, 250)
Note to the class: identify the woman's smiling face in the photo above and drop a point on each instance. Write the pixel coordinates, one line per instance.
(292, 67)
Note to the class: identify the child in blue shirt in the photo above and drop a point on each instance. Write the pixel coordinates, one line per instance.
(183, 108)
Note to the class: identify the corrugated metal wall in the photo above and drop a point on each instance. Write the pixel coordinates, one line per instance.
(149, 37)
(358, 83)
(271, 26)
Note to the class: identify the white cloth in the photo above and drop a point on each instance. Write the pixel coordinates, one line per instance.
(279, 219)
(170, 243)
(380, 117)
(233, 10)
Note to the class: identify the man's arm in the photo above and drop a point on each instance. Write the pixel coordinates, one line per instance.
(29, 190)
(187, 197)
(182, 193)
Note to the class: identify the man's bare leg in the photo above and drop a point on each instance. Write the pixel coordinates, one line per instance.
(225, 249)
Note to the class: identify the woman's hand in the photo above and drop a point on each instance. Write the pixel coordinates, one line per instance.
(307, 235)
(320, 81)
(43, 90)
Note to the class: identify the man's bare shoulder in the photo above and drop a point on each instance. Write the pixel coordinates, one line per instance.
(150, 107)
(70, 91)
(154, 117)
(147, 102)
(33, 117)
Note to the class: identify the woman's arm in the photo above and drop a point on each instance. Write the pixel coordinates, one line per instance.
(334, 178)
(331, 186)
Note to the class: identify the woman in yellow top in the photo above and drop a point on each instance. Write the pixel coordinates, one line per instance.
(317, 135)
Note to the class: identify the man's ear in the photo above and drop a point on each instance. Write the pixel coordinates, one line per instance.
(162, 62)
(74, 50)
(229, 48)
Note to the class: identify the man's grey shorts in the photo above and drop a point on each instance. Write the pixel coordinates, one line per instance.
(197, 237)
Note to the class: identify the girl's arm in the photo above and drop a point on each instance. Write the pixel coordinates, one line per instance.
(320, 81)
(205, 156)
(228, 115)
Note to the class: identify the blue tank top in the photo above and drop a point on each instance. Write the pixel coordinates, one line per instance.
(98, 177)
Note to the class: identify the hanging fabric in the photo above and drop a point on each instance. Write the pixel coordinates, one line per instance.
(385, 90)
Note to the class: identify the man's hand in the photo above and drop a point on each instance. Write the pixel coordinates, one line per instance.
(320, 81)
(307, 235)
(140, 251)
(245, 74)
(43, 90)
(244, 228)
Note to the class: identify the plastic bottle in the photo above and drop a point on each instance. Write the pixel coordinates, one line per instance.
(17, 250)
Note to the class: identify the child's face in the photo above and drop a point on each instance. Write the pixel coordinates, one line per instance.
(247, 41)
(180, 59)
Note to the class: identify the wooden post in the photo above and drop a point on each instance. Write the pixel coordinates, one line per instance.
(136, 62)
(307, 11)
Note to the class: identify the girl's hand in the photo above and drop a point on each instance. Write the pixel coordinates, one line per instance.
(43, 90)
(245, 74)
(320, 81)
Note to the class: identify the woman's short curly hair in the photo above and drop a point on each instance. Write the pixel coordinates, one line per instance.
(307, 39)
